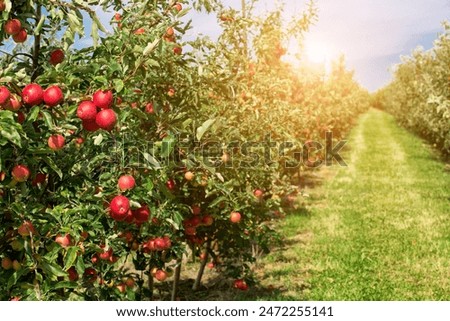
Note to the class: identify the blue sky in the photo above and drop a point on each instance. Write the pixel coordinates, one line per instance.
(372, 34)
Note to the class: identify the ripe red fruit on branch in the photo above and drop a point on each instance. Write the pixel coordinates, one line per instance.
(196, 210)
(39, 179)
(207, 220)
(178, 50)
(21, 36)
(106, 254)
(14, 104)
(64, 241)
(56, 57)
(149, 108)
(73, 274)
(126, 182)
(117, 16)
(53, 96)
(171, 184)
(142, 215)
(161, 275)
(32, 94)
(2, 6)
(90, 125)
(103, 99)
(20, 173)
(5, 95)
(7, 263)
(240, 285)
(235, 217)
(12, 27)
(119, 207)
(139, 31)
(26, 229)
(258, 193)
(90, 274)
(178, 6)
(106, 119)
(87, 110)
(56, 142)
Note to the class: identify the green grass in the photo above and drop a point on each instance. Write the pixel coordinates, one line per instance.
(378, 230)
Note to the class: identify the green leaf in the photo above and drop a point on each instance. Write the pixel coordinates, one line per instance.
(70, 257)
(201, 131)
(38, 28)
(33, 115)
(52, 269)
(118, 85)
(53, 166)
(168, 145)
(98, 140)
(15, 277)
(48, 120)
(65, 285)
(150, 159)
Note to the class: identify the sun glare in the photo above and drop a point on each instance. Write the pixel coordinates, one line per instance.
(317, 52)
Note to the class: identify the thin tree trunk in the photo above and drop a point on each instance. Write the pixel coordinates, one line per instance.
(198, 280)
(176, 280)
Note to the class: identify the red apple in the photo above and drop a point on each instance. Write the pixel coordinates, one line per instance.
(20, 117)
(139, 31)
(21, 36)
(235, 217)
(258, 193)
(177, 6)
(190, 231)
(90, 125)
(2, 5)
(129, 282)
(12, 27)
(240, 285)
(7, 264)
(119, 207)
(170, 184)
(2, 176)
(207, 220)
(32, 94)
(56, 142)
(20, 173)
(160, 244)
(121, 287)
(53, 96)
(211, 265)
(171, 92)
(90, 274)
(142, 214)
(26, 229)
(126, 182)
(129, 218)
(161, 275)
(87, 110)
(39, 179)
(196, 210)
(73, 274)
(149, 108)
(106, 119)
(103, 99)
(106, 254)
(178, 50)
(117, 16)
(14, 104)
(56, 57)
(5, 95)
(64, 241)
(170, 32)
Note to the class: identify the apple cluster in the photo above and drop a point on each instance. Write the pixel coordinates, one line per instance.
(97, 113)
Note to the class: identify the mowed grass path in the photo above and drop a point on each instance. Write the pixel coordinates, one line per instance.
(378, 230)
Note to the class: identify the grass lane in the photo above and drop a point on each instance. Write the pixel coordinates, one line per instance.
(378, 230)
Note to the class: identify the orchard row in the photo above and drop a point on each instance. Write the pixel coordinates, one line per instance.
(77, 226)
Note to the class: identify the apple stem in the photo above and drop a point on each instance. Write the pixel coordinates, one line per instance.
(176, 280)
